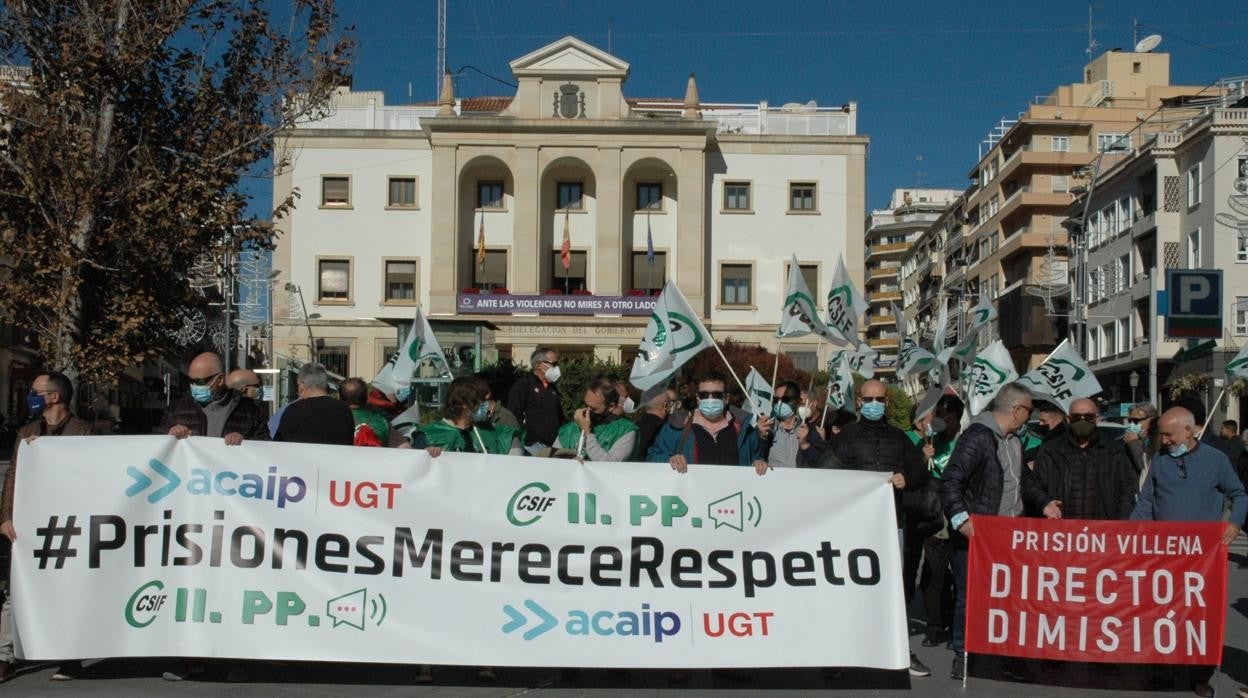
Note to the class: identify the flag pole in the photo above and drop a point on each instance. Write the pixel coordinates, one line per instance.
(775, 371)
(649, 255)
(735, 377)
(1213, 410)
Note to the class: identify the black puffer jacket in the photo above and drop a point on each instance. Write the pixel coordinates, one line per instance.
(972, 481)
(876, 446)
(1051, 480)
(246, 418)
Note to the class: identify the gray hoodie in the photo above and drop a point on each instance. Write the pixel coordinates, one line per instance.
(1010, 453)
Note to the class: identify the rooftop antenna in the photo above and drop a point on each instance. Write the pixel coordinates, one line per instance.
(1091, 39)
(918, 172)
(441, 45)
(610, 26)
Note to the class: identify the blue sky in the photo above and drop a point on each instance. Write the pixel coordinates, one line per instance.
(930, 78)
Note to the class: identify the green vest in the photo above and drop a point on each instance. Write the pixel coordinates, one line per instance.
(607, 434)
(944, 449)
(447, 436)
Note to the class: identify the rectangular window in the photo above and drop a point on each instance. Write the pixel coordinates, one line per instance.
(649, 196)
(400, 280)
(647, 277)
(810, 274)
(491, 274)
(1124, 272)
(1060, 144)
(1193, 249)
(1241, 245)
(570, 196)
(1109, 142)
(1193, 186)
(1125, 217)
(737, 196)
(1241, 315)
(402, 192)
(1092, 349)
(1108, 339)
(574, 274)
(335, 359)
(1061, 183)
(1124, 335)
(736, 284)
(801, 196)
(333, 280)
(489, 194)
(336, 191)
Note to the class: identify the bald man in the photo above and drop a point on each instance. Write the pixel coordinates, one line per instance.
(245, 381)
(1190, 481)
(212, 408)
(1080, 475)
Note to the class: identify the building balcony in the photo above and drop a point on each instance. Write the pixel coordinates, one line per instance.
(884, 297)
(887, 250)
(1026, 157)
(883, 272)
(883, 342)
(1144, 224)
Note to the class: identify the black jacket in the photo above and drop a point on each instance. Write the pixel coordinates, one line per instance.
(247, 418)
(877, 446)
(538, 409)
(972, 481)
(1051, 480)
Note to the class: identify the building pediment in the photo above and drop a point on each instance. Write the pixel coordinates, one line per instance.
(569, 57)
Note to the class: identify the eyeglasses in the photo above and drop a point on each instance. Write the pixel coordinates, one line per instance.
(872, 398)
(204, 381)
(41, 392)
(710, 395)
(1082, 417)
(552, 364)
(788, 398)
(1137, 420)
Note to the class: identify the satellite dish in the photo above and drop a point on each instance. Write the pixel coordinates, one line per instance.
(1148, 43)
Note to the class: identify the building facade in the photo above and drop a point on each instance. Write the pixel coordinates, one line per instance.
(466, 208)
(891, 234)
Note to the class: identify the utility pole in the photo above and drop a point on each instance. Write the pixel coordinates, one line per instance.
(442, 46)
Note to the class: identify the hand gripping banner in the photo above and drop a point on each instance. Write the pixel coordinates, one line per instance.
(158, 547)
(1097, 591)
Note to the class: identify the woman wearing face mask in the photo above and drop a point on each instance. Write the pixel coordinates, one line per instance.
(1141, 437)
(465, 426)
(596, 432)
(791, 443)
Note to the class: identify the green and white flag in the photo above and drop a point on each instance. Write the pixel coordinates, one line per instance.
(673, 336)
(1238, 366)
(840, 383)
(759, 392)
(983, 313)
(845, 303)
(992, 369)
(419, 345)
(911, 358)
(799, 317)
(861, 359)
(1063, 377)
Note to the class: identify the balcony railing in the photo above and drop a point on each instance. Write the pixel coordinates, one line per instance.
(372, 118)
(760, 118)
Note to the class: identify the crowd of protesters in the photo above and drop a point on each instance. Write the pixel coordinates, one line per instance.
(946, 467)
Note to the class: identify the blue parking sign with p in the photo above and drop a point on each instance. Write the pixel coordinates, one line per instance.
(1193, 303)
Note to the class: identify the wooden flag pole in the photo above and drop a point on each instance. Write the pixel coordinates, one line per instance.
(1212, 410)
(775, 371)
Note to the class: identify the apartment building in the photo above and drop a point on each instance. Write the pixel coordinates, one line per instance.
(463, 207)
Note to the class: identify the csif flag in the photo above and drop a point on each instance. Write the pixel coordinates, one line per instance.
(401, 368)
(1063, 377)
(979, 317)
(911, 358)
(1238, 366)
(799, 317)
(845, 304)
(992, 369)
(673, 336)
(759, 392)
(840, 382)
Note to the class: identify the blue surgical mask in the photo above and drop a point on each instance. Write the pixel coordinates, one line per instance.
(782, 410)
(1178, 450)
(201, 394)
(402, 394)
(35, 404)
(873, 411)
(711, 407)
(482, 413)
(1135, 429)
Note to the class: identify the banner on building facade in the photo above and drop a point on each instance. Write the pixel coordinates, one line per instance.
(155, 547)
(1138, 592)
(553, 304)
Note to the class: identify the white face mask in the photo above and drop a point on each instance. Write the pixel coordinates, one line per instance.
(552, 374)
(628, 405)
(803, 413)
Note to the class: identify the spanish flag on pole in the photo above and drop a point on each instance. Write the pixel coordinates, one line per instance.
(481, 242)
(565, 251)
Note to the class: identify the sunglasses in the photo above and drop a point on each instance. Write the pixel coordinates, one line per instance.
(1137, 420)
(204, 381)
(1182, 468)
(1082, 417)
(551, 363)
(865, 400)
(710, 395)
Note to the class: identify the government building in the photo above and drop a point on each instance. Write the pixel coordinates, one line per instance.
(554, 216)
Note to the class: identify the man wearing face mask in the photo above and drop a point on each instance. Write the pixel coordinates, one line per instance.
(714, 434)
(596, 432)
(1082, 476)
(983, 476)
(1190, 481)
(874, 445)
(534, 400)
(657, 405)
(1050, 426)
(49, 402)
(791, 442)
(213, 409)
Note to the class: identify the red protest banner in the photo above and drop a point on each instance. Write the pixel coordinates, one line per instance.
(1097, 591)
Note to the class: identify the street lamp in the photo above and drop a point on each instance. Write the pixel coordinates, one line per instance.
(1134, 380)
(294, 288)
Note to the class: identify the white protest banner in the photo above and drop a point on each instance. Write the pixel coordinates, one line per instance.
(152, 546)
(1063, 377)
(992, 369)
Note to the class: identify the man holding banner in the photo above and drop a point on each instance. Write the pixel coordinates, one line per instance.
(716, 433)
(1190, 481)
(984, 476)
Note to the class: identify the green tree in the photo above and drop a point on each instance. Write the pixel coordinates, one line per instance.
(124, 153)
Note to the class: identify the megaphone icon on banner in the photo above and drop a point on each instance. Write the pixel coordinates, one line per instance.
(734, 511)
(356, 608)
